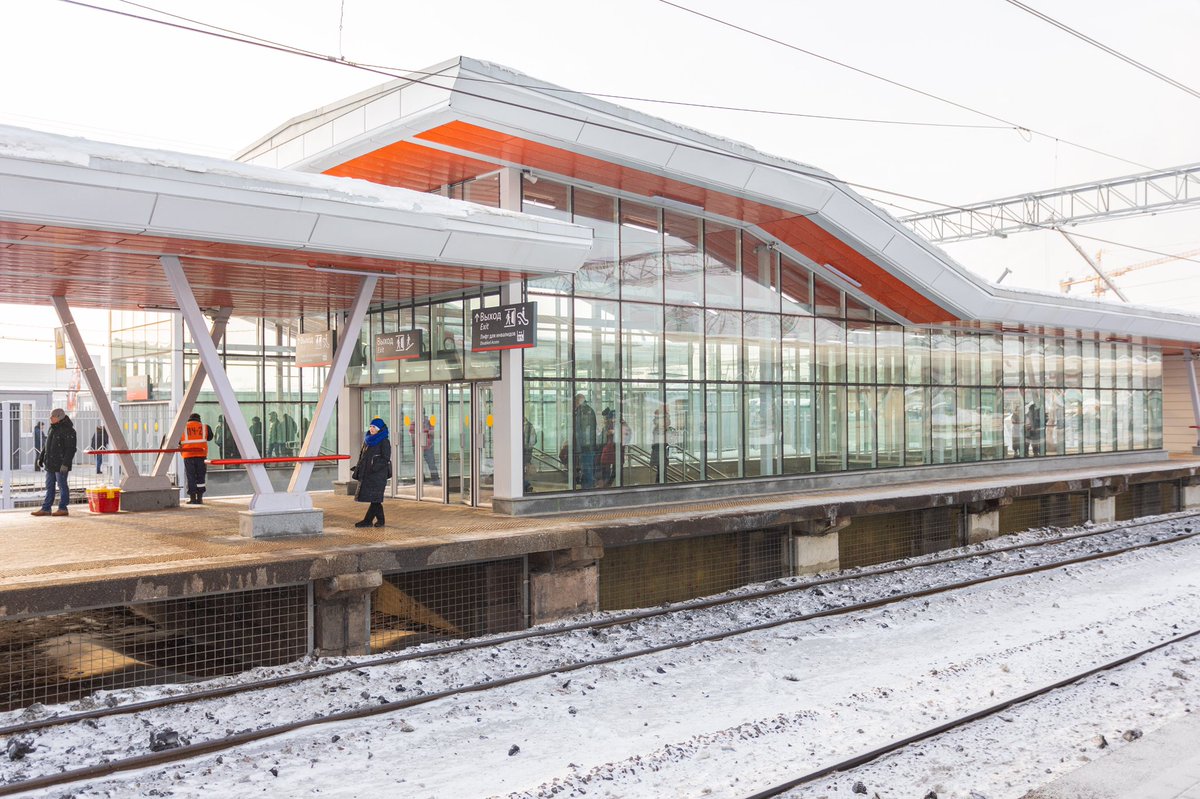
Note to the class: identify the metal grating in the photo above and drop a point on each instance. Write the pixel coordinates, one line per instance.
(642, 575)
(455, 602)
(64, 656)
(868, 540)
(1148, 499)
(1051, 510)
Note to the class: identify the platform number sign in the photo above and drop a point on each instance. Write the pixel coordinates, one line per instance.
(506, 327)
(400, 346)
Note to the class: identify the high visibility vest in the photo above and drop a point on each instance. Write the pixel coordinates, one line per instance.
(194, 444)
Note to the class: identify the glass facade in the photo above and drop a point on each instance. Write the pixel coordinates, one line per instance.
(687, 350)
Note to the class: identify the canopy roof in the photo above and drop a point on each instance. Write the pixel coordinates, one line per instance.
(89, 221)
(466, 117)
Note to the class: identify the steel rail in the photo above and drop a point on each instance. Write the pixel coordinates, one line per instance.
(622, 619)
(206, 747)
(874, 754)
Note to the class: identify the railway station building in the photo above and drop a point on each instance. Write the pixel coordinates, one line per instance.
(738, 368)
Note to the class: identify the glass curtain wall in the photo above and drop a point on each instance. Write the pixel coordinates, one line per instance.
(687, 350)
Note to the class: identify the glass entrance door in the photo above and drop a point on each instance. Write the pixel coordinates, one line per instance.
(459, 477)
(407, 454)
(428, 433)
(485, 461)
(442, 440)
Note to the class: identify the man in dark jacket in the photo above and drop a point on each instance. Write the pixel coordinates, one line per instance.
(584, 423)
(99, 441)
(57, 458)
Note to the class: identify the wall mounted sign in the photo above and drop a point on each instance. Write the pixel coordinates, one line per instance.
(507, 327)
(401, 346)
(314, 349)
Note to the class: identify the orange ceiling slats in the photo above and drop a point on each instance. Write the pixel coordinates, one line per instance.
(107, 269)
(416, 167)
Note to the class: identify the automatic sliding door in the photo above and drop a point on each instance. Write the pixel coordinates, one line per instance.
(458, 443)
(427, 433)
(485, 460)
(405, 454)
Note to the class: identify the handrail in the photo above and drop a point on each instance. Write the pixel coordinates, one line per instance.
(296, 459)
(126, 451)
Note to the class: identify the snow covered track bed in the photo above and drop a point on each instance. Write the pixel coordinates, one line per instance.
(783, 684)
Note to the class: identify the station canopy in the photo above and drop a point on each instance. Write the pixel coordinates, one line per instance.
(465, 118)
(89, 221)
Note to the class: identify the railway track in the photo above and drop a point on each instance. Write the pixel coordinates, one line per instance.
(1090, 540)
(854, 762)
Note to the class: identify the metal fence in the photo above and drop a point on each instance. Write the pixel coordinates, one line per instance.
(1148, 499)
(453, 602)
(642, 575)
(64, 656)
(23, 482)
(869, 540)
(1051, 510)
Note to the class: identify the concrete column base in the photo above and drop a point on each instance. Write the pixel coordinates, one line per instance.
(815, 553)
(1104, 509)
(1190, 497)
(342, 613)
(141, 499)
(345, 488)
(564, 583)
(276, 523)
(983, 526)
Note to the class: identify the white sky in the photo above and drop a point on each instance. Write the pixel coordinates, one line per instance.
(72, 69)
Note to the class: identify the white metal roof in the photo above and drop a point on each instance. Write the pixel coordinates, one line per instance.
(504, 100)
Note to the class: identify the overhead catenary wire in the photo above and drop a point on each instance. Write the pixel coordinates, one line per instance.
(897, 83)
(1133, 62)
(677, 142)
(582, 93)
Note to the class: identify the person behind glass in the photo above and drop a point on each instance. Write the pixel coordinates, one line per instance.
(39, 444)
(425, 442)
(256, 431)
(372, 471)
(195, 449)
(529, 443)
(608, 449)
(274, 435)
(660, 448)
(99, 441)
(1033, 429)
(56, 457)
(584, 424)
(1018, 432)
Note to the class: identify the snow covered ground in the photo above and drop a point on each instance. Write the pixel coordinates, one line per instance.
(726, 718)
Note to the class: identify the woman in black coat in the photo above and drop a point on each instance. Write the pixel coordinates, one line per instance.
(372, 471)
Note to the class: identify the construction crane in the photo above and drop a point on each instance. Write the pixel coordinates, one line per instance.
(1100, 286)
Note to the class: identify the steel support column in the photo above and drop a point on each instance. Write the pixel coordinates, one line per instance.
(265, 497)
(188, 401)
(1189, 358)
(6, 417)
(115, 434)
(508, 393)
(347, 342)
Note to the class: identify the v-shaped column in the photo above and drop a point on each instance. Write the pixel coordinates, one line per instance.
(179, 424)
(347, 341)
(271, 513)
(138, 491)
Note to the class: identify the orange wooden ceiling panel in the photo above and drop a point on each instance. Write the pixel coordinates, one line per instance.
(411, 166)
(117, 270)
(794, 230)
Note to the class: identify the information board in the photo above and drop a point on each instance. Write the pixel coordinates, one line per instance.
(314, 349)
(402, 345)
(507, 327)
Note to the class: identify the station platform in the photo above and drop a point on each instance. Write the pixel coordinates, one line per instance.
(86, 559)
(1164, 764)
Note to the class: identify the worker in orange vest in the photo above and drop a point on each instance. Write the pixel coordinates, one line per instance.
(195, 449)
